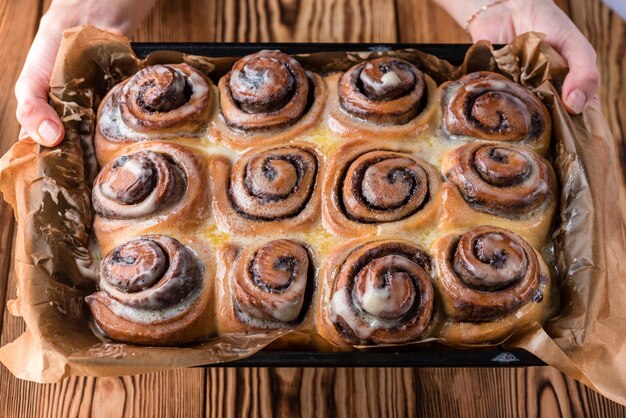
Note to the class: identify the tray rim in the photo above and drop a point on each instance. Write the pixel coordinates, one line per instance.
(454, 53)
(444, 357)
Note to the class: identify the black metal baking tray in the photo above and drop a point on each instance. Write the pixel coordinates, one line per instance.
(431, 357)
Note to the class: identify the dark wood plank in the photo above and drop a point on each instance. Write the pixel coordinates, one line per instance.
(290, 392)
(7, 224)
(12, 54)
(271, 20)
(422, 21)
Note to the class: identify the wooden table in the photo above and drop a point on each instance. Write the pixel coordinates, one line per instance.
(216, 392)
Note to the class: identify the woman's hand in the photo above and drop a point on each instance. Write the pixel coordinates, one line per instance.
(502, 21)
(38, 120)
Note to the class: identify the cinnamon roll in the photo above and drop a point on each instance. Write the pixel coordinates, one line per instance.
(268, 98)
(501, 185)
(271, 189)
(489, 106)
(368, 191)
(161, 185)
(385, 97)
(491, 283)
(263, 287)
(375, 293)
(161, 101)
(153, 291)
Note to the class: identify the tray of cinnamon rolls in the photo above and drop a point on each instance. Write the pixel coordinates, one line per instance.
(368, 205)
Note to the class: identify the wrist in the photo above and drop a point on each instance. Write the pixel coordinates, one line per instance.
(464, 12)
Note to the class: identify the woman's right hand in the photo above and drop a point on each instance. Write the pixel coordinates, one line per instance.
(38, 120)
(502, 21)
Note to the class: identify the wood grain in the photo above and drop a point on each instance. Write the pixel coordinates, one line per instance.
(270, 21)
(421, 21)
(288, 392)
(12, 55)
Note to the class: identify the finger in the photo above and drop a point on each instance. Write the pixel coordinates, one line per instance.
(582, 81)
(22, 135)
(34, 113)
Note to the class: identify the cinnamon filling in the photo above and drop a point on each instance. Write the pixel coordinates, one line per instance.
(138, 185)
(382, 294)
(489, 272)
(161, 88)
(501, 166)
(263, 91)
(130, 180)
(274, 184)
(502, 113)
(385, 288)
(385, 90)
(273, 285)
(501, 180)
(489, 106)
(135, 266)
(386, 79)
(492, 262)
(152, 272)
(384, 187)
(264, 84)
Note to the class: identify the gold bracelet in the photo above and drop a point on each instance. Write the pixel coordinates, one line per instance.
(482, 9)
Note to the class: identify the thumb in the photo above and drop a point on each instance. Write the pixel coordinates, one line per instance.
(34, 113)
(582, 81)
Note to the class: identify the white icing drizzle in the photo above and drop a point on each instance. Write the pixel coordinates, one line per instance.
(491, 85)
(542, 185)
(259, 81)
(198, 86)
(136, 168)
(143, 208)
(149, 316)
(375, 300)
(112, 125)
(255, 322)
(361, 323)
(286, 310)
(511, 267)
(390, 79)
(387, 82)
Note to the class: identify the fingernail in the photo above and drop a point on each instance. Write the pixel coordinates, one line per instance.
(49, 131)
(576, 101)
(23, 135)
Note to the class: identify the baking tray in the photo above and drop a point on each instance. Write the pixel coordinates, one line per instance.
(440, 356)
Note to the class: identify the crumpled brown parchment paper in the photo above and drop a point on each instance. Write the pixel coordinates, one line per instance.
(55, 260)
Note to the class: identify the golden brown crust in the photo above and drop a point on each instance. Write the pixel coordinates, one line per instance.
(154, 291)
(348, 125)
(491, 283)
(377, 292)
(269, 105)
(488, 106)
(263, 287)
(273, 189)
(370, 291)
(501, 185)
(156, 186)
(371, 190)
(161, 102)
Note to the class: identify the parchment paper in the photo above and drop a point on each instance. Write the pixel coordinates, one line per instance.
(55, 260)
